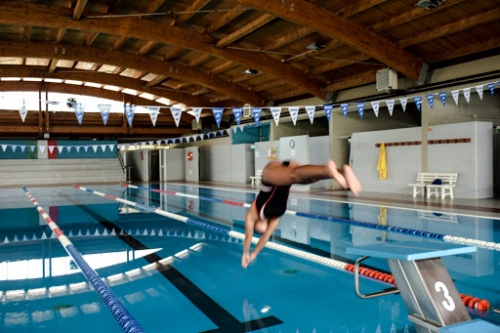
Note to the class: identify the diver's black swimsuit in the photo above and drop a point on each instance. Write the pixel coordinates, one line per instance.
(271, 200)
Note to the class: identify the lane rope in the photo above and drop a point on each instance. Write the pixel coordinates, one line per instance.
(119, 312)
(333, 263)
(401, 230)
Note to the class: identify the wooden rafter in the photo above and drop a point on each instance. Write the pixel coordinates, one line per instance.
(190, 11)
(80, 6)
(349, 32)
(147, 30)
(245, 30)
(125, 60)
(225, 19)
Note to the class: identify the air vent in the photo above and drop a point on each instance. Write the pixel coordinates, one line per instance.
(387, 80)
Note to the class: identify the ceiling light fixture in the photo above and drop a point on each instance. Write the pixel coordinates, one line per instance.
(429, 4)
(250, 71)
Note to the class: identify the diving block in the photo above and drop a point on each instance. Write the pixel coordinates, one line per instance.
(423, 281)
(476, 325)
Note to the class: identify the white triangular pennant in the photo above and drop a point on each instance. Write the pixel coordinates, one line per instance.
(467, 94)
(176, 113)
(111, 147)
(375, 107)
(60, 149)
(310, 112)
(276, 112)
(197, 114)
(479, 90)
(455, 93)
(51, 149)
(390, 106)
(86, 148)
(403, 103)
(294, 111)
(79, 111)
(42, 148)
(154, 111)
(103, 147)
(23, 111)
(94, 147)
(104, 109)
(4, 147)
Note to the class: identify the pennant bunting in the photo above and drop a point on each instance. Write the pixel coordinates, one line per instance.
(4, 147)
(32, 148)
(78, 149)
(86, 148)
(42, 149)
(51, 149)
(103, 147)
(310, 112)
(154, 111)
(127, 146)
(467, 94)
(418, 102)
(14, 147)
(23, 111)
(294, 111)
(218, 112)
(479, 90)
(375, 107)
(79, 111)
(22, 148)
(403, 101)
(390, 106)
(276, 112)
(237, 113)
(442, 96)
(328, 111)
(197, 113)
(455, 93)
(94, 147)
(430, 99)
(111, 147)
(176, 113)
(491, 87)
(256, 112)
(361, 109)
(129, 113)
(104, 109)
(344, 108)
(60, 149)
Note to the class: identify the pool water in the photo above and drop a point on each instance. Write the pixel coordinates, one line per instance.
(176, 277)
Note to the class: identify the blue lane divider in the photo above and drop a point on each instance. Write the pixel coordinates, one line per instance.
(119, 312)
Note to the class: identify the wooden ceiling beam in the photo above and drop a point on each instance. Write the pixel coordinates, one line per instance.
(74, 89)
(126, 60)
(19, 14)
(199, 60)
(465, 50)
(91, 38)
(245, 30)
(53, 65)
(101, 78)
(191, 11)
(79, 8)
(353, 81)
(451, 28)
(225, 19)
(270, 85)
(157, 80)
(350, 33)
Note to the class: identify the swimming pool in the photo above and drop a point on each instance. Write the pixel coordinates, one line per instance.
(175, 277)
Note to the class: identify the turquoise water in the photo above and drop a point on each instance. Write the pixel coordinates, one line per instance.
(173, 277)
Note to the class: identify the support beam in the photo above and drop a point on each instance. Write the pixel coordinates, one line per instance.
(80, 6)
(15, 13)
(126, 60)
(303, 13)
(245, 30)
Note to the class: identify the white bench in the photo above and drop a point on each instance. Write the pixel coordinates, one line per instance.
(257, 178)
(425, 184)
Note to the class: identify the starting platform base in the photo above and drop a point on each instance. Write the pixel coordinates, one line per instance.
(476, 325)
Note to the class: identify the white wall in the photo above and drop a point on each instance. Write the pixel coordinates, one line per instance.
(175, 164)
(242, 162)
(319, 153)
(215, 163)
(475, 179)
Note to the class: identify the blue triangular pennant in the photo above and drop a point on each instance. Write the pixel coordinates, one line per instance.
(361, 109)
(237, 113)
(218, 112)
(129, 110)
(491, 87)
(344, 107)
(328, 110)
(442, 96)
(418, 102)
(256, 112)
(430, 99)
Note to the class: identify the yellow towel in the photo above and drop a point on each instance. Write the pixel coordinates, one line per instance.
(382, 162)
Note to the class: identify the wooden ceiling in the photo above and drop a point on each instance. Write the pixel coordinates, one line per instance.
(196, 52)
